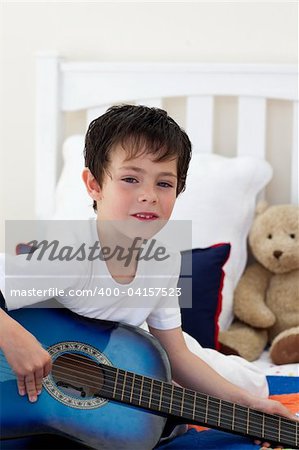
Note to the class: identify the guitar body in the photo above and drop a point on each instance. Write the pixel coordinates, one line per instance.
(73, 409)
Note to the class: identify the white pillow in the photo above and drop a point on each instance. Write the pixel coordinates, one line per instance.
(72, 201)
(220, 200)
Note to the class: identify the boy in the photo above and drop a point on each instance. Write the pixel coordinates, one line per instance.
(136, 162)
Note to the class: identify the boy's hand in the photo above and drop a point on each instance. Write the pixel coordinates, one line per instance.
(30, 362)
(271, 407)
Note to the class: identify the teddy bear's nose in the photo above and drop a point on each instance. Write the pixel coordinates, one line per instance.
(277, 254)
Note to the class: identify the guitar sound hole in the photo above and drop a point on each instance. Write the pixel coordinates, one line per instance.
(78, 375)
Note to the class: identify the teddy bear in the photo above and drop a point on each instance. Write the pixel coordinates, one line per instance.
(266, 299)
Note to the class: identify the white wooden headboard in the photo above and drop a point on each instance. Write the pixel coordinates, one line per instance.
(64, 86)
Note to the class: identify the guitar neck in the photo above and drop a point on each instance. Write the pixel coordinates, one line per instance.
(197, 408)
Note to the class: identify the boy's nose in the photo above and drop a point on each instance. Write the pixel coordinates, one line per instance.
(148, 196)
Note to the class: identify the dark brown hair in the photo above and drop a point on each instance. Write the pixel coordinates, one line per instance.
(139, 129)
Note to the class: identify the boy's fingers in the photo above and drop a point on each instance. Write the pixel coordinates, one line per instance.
(21, 385)
(31, 388)
(47, 368)
(39, 380)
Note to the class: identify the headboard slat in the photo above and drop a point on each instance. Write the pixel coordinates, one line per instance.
(294, 169)
(252, 126)
(199, 122)
(48, 131)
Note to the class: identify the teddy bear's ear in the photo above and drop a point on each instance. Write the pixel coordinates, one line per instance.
(261, 207)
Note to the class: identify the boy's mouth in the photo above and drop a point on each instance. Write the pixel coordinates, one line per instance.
(143, 216)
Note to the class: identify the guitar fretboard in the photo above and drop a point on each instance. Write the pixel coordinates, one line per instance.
(194, 407)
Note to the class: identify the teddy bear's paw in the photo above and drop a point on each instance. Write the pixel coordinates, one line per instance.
(261, 317)
(245, 341)
(285, 347)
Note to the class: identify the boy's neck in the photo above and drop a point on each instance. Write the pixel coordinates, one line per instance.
(121, 270)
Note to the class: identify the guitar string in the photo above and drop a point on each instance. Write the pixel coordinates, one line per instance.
(168, 387)
(284, 433)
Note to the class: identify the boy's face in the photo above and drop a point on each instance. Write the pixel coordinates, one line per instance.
(138, 194)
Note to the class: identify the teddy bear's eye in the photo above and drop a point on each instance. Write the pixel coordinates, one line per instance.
(292, 235)
(269, 236)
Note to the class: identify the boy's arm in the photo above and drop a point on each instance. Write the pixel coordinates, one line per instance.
(27, 358)
(191, 372)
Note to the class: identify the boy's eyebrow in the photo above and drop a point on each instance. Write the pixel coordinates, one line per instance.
(139, 169)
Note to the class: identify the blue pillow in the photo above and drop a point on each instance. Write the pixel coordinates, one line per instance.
(201, 321)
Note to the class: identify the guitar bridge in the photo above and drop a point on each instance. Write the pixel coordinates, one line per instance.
(65, 385)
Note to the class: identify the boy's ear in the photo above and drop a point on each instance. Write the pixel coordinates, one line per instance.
(92, 186)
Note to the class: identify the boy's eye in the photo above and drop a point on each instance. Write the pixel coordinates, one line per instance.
(130, 180)
(164, 184)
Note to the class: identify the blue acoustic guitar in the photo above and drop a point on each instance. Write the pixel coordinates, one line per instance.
(110, 388)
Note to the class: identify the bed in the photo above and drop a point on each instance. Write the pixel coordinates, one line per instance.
(70, 94)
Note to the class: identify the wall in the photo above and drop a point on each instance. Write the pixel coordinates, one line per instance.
(232, 32)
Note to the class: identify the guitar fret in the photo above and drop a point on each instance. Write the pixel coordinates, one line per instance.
(156, 391)
(137, 389)
(132, 387)
(247, 422)
(199, 405)
(207, 408)
(127, 386)
(234, 411)
(255, 422)
(279, 425)
(212, 411)
(151, 393)
(171, 398)
(194, 404)
(123, 389)
(178, 400)
(227, 412)
(147, 392)
(182, 402)
(219, 414)
(161, 394)
(271, 427)
(263, 426)
(288, 431)
(115, 383)
(141, 389)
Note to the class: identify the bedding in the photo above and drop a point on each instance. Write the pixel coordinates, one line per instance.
(265, 364)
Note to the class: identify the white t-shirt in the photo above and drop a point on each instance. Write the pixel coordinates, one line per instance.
(86, 286)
